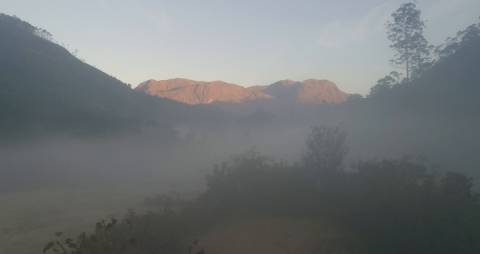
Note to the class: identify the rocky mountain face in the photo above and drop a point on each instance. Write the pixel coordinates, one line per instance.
(310, 91)
(199, 92)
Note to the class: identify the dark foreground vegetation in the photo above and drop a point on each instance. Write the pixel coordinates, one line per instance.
(384, 206)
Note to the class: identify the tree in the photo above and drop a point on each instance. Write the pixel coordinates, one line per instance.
(385, 84)
(405, 31)
(325, 150)
(457, 187)
(468, 35)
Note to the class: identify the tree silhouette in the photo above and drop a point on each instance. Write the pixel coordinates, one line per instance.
(385, 84)
(325, 150)
(405, 31)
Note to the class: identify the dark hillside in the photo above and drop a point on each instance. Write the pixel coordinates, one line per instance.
(44, 89)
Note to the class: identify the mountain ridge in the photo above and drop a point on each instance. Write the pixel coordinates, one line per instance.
(309, 91)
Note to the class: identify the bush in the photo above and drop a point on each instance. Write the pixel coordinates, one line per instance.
(395, 206)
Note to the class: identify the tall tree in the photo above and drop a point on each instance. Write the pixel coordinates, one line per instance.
(405, 31)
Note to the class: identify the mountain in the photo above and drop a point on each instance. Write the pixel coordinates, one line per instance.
(310, 91)
(199, 92)
(44, 88)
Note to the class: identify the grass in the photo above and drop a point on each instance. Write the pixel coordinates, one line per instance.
(29, 219)
(275, 235)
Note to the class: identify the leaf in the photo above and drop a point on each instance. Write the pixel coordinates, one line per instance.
(47, 247)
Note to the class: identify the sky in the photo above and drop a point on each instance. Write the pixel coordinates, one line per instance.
(247, 42)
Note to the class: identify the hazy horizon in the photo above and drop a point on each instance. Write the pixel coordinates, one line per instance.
(137, 41)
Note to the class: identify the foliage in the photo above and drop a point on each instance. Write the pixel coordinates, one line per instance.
(391, 206)
(452, 44)
(405, 31)
(325, 150)
(385, 84)
(253, 181)
(161, 232)
(444, 90)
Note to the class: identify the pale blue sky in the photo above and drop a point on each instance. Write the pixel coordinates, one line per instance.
(249, 42)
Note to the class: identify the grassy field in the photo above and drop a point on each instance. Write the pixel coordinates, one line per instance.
(279, 235)
(29, 219)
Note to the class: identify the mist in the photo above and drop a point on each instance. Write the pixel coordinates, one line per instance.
(92, 165)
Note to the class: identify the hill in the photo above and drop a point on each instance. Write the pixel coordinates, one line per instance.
(435, 115)
(448, 87)
(46, 89)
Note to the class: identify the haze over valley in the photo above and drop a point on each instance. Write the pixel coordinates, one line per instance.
(90, 164)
